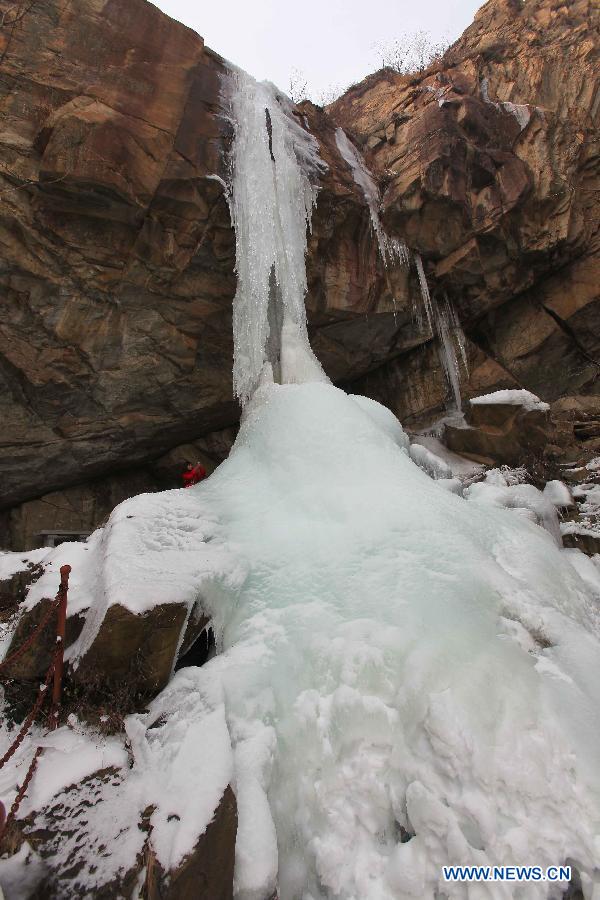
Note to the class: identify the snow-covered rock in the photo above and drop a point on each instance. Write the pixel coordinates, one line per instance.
(511, 397)
(558, 493)
(509, 427)
(429, 462)
(538, 507)
(108, 814)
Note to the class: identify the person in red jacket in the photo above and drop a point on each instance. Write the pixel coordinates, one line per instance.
(193, 474)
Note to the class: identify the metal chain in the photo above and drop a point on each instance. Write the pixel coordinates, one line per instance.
(18, 653)
(21, 792)
(56, 661)
(42, 693)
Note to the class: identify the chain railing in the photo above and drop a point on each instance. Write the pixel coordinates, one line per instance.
(54, 674)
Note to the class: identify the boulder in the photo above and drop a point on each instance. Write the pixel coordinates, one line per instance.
(13, 590)
(136, 653)
(576, 421)
(581, 540)
(76, 815)
(500, 434)
(134, 650)
(207, 872)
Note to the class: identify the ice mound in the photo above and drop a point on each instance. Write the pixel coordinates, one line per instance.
(399, 661)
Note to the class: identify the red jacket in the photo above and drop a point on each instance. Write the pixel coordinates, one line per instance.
(193, 476)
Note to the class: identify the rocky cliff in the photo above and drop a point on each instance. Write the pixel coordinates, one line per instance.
(117, 263)
(490, 163)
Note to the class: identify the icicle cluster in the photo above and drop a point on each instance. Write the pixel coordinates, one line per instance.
(444, 323)
(274, 165)
(441, 317)
(391, 249)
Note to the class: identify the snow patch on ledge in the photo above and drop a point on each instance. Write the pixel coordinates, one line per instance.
(512, 397)
(11, 563)
(520, 111)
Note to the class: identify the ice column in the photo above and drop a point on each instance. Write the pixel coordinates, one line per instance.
(274, 168)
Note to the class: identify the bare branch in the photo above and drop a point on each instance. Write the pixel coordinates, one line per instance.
(410, 52)
(298, 88)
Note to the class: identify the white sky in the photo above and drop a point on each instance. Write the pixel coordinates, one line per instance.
(331, 42)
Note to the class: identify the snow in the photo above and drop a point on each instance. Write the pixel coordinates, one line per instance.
(11, 563)
(429, 462)
(454, 485)
(525, 499)
(355, 638)
(68, 757)
(588, 568)
(521, 112)
(559, 494)
(190, 749)
(384, 419)
(20, 874)
(588, 497)
(364, 672)
(458, 465)
(153, 550)
(82, 587)
(512, 397)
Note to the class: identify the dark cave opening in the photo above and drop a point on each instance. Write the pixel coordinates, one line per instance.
(202, 649)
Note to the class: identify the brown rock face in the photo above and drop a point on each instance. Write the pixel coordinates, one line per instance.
(117, 272)
(117, 263)
(491, 163)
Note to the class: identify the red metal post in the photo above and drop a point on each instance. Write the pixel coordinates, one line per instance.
(61, 625)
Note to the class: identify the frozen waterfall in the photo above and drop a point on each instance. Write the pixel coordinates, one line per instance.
(274, 167)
